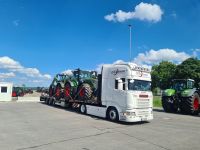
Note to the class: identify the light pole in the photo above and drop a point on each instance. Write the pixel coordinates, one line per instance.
(130, 27)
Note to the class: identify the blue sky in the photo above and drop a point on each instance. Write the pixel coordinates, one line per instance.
(39, 38)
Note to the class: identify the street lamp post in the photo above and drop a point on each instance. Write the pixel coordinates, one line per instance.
(130, 45)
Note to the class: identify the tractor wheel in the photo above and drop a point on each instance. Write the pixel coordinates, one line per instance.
(67, 91)
(191, 104)
(169, 104)
(58, 92)
(85, 92)
(51, 91)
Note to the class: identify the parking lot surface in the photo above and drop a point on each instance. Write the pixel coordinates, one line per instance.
(36, 126)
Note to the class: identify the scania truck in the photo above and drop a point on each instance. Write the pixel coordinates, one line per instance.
(123, 93)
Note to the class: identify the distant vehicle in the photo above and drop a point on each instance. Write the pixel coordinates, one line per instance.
(121, 92)
(182, 96)
(17, 91)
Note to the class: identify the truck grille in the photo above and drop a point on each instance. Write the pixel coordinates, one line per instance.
(143, 103)
(143, 113)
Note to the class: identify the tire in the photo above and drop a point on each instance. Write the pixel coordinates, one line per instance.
(47, 101)
(83, 109)
(190, 105)
(169, 104)
(51, 91)
(58, 92)
(112, 114)
(85, 92)
(67, 91)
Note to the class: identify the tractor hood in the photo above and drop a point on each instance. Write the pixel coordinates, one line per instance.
(168, 92)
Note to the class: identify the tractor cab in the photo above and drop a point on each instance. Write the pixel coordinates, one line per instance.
(83, 75)
(182, 84)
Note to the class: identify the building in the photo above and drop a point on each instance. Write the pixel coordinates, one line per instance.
(6, 91)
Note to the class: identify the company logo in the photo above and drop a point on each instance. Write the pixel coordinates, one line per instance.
(117, 71)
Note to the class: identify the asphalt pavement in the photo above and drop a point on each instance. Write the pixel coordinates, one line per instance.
(36, 126)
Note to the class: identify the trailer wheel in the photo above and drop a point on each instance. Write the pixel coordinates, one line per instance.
(83, 109)
(112, 114)
(85, 92)
(47, 101)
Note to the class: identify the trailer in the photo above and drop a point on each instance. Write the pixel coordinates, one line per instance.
(123, 93)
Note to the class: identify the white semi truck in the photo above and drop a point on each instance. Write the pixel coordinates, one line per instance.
(124, 94)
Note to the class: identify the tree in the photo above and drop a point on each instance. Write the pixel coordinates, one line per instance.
(162, 74)
(189, 69)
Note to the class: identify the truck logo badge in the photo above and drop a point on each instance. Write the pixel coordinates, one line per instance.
(115, 72)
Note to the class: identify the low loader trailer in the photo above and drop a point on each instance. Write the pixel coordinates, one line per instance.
(122, 93)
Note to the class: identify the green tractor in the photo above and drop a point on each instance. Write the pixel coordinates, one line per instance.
(81, 85)
(182, 96)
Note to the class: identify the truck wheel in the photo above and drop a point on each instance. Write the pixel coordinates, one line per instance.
(83, 109)
(58, 92)
(67, 91)
(191, 104)
(85, 92)
(113, 114)
(169, 104)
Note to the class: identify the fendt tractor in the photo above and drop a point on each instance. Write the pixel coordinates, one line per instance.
(78, 84)
(182, 96)
(121, 92)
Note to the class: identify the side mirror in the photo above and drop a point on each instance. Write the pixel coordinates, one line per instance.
(120, 84)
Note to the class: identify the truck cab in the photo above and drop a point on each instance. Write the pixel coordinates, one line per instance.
(126, 90)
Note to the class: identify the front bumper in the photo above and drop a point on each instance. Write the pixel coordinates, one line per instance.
(136, 115)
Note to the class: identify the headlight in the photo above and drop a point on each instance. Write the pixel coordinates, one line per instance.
(128, 113)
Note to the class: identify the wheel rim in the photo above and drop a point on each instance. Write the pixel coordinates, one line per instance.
(112, 115)
(83, 108)
(196, 104)
(67, 91)
(82, 93)
(57, 91)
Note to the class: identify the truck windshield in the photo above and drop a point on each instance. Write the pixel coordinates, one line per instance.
(139, 85)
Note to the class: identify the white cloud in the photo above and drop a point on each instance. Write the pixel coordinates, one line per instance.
(9, 64)
(7, 75)
(152, 57)
(68, 72)
(143, 11)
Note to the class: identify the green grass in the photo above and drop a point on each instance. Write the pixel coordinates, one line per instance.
(157, 101)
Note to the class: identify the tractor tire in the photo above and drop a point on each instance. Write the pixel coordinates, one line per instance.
(169, 105)
(85, 92)
(191, 104)
(51, 93)
(67, 92)
(58, 92)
